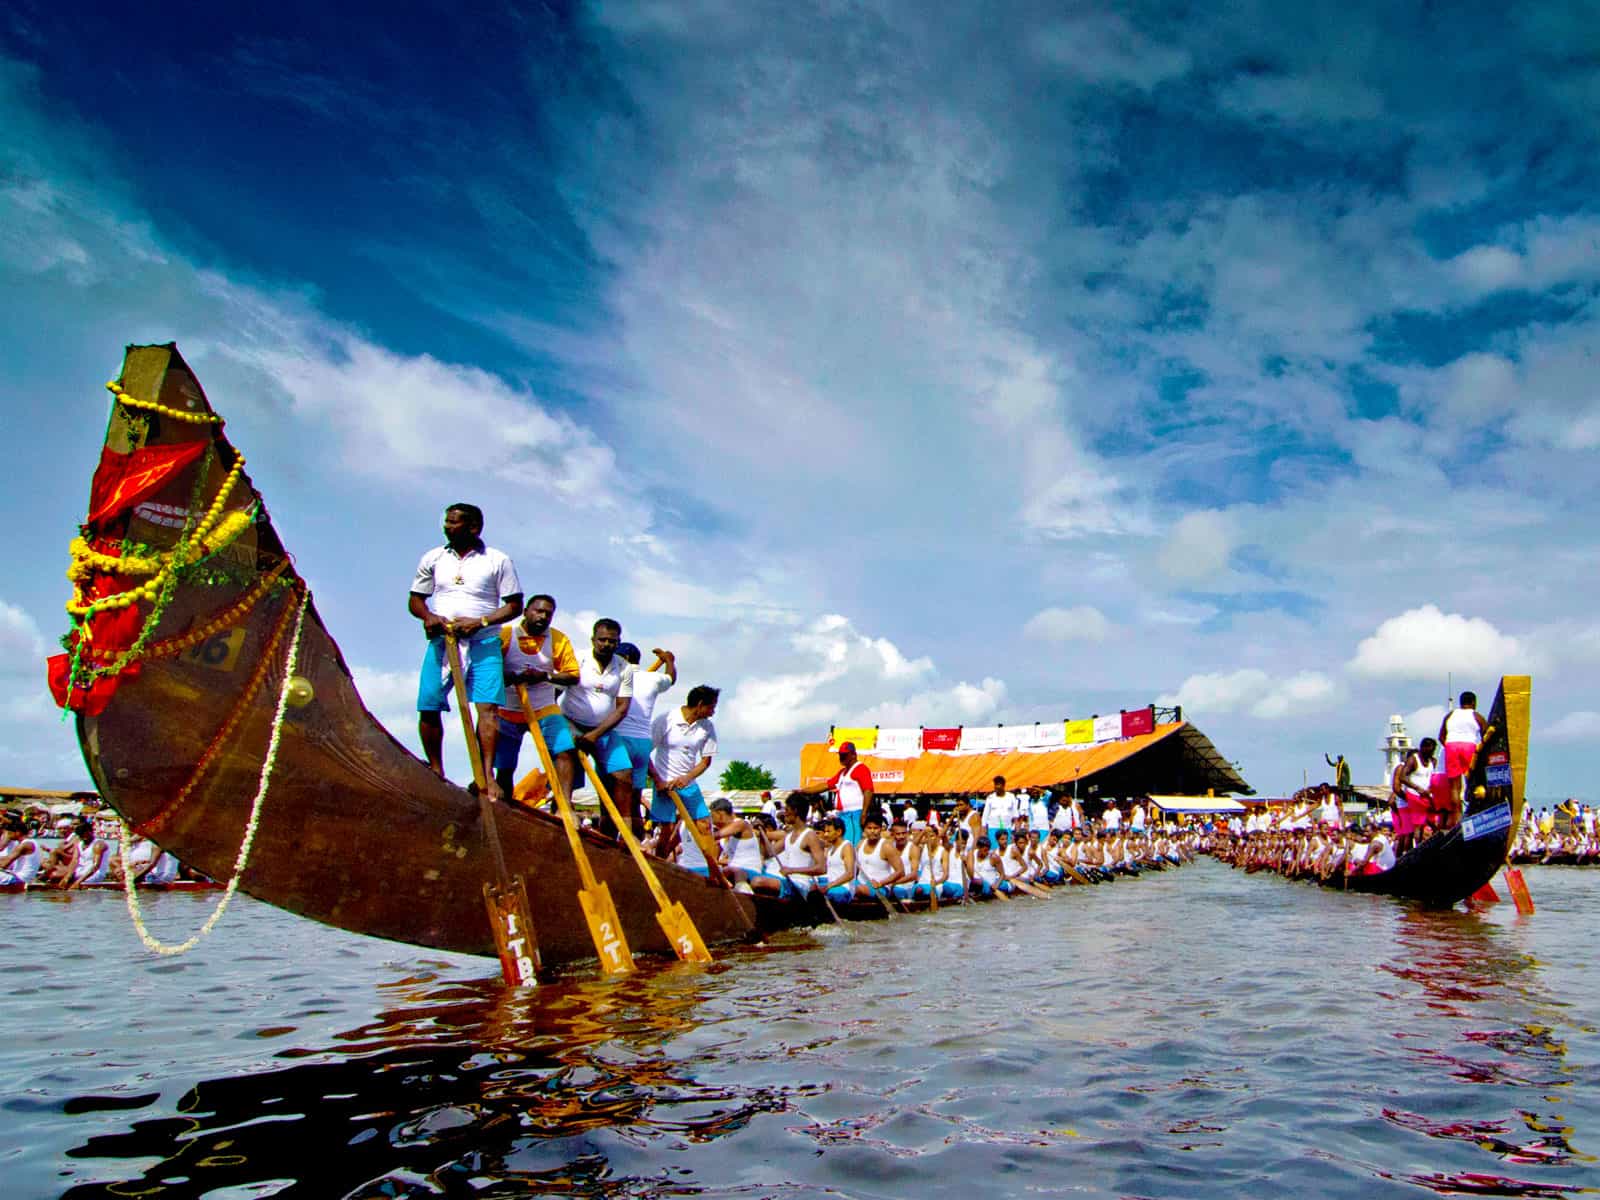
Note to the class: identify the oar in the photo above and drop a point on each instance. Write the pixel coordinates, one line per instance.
(594, 897)
(708, 845)
(671, 915)
(506, 903)
(933, 885)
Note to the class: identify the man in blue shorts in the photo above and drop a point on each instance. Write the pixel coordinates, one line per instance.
(633, 731)
(539, 659)
(466, 588)
(595, 707)
(683, 742)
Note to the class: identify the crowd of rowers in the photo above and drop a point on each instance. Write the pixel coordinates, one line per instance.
(82, 853)
(598, 710)
(1540, 841)
(907, 856)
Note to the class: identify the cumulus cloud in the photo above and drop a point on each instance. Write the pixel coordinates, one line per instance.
(1252, 690)
(1424, 722)
(1198, 546)
(1426, 644)
(1581, 726)
(22, 646)
(1082, 622)
(839, 675)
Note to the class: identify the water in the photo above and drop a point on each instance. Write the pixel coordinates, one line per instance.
(1195, 1033)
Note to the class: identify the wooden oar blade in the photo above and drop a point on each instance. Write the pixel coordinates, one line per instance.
(681, 932)
(605, 927)
(1519, 891)
(514, 936)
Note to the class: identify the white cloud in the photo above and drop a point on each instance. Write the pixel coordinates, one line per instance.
(1252, 690)
(22, 646)
(391, 696)
(1081, 622)
(1427, 644)
(1424, 722)
(837, 675)
(1581, 726)
(1307, 691)
(402, 416)
(1104, 48)
(1198, 546)
(1220, 691)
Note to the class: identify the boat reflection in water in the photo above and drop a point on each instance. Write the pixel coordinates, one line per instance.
(455, 1086)
(1463, 967)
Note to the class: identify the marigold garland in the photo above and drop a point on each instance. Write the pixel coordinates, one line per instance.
(177, 414)
(291, 660)
(235, 715)
(167, 647)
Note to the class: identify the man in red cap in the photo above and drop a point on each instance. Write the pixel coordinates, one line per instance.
(852, 789)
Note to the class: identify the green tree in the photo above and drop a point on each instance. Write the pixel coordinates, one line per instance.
(740, 776)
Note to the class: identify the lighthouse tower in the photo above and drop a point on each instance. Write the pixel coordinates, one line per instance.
(1396, 746)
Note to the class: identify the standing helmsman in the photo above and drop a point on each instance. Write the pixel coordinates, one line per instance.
(852, 788)
(466, 588)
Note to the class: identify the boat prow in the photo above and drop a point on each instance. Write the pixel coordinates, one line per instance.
(177, 695)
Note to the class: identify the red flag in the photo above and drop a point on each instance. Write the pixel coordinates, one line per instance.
(1140, 720)
(122, 480)
(941, 739)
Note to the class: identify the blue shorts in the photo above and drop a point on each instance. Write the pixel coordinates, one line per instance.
(842, 893)
(638, 749)
(663, 810)
(480, 661)
(610, 755)
(508, 746)
(852, 826)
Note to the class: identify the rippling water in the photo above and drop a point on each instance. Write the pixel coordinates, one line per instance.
(1193, 1033)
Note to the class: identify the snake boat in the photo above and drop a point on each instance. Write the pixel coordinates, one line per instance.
(215, 711)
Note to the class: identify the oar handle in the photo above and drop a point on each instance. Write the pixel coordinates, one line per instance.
(708, 847)
(569, 819)
(491, 831)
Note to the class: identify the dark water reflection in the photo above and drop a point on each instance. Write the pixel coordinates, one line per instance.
(1199, 1033)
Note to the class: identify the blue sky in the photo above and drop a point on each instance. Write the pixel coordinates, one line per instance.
(894, 364)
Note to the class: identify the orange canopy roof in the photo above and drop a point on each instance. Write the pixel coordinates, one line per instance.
(1178, 748)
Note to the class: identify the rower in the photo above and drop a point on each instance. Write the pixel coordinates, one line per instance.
(987, 879)
(1038, 811)
(1460, 732)
(839, 883)
(540, 659)
(744, 850)
(466, 588)
(683, 741)
(1411, 784)
(94, 859)
(967, 818)
(802, 859)
(633, 731)
(19, 861)
(881, 865)
(595, 706)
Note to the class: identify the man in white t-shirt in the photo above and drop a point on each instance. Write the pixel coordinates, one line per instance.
(683, 742)
(466, 588)
(596, 706)
(999, 810)
(633, 731)
(1111, 817)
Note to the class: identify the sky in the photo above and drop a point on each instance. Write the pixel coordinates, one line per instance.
(892, 363)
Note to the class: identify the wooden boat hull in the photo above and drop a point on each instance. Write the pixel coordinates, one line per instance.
(1451, 866)
(355, 831)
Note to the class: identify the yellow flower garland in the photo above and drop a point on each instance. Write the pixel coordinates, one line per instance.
(177, 414)
(243, 860)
